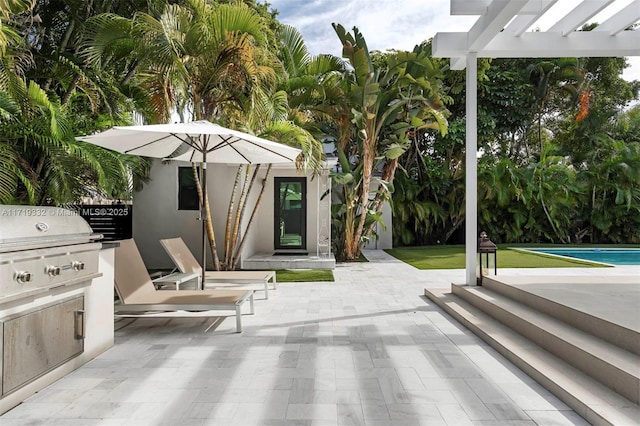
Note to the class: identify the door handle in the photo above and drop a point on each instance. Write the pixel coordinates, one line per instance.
(79, 324)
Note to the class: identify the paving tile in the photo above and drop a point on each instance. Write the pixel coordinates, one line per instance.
(302, 391)
(110, 410)
(34, 411)
(393, 391)
(222, 411)
(533, 398)
(336, 397)
(410, 379)
(556, 418)
(366, 349)
(328, 412)
(507, 411)
(454, 414)
(423, 413)
(350, 415)
(375, 411)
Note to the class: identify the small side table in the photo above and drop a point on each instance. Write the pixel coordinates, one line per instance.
(176, 279)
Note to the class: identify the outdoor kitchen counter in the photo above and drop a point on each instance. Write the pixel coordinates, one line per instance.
(99, 301)
(56, 297)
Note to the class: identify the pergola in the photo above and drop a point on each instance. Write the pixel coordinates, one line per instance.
(503, 30)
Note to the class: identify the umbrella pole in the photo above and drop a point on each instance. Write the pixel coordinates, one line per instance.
(203, 215)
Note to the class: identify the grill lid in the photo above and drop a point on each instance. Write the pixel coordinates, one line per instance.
(27, 227)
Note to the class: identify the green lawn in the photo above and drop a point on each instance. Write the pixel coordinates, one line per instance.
(303, 275)
(453, 257)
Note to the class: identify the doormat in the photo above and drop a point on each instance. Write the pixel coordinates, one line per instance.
(291, 253)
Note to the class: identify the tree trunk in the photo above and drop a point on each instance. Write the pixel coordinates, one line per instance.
(238, 215)
(351, 205)
(454, 227)
(61, 48)
(368, 155)
(227, 232)
(547, 214)
(70, 90)
(236, 254)
(388, 175)
(207, 219)
(253, 213)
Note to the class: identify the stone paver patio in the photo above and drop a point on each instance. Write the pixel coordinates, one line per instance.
(367, 349)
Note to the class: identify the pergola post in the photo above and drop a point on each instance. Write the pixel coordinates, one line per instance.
(471, 168)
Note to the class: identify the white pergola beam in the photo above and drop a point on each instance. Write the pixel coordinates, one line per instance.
(458, 64)
(528, 16)
(479, 7)
(541, 45)
(579, 16)
(468, 7)
(621, 20)
(498, 15)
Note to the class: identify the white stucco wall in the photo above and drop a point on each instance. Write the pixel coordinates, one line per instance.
(385, 240)
(156, 215)
(262, 234)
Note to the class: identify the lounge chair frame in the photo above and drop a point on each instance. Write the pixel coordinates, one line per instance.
(137, 293)
(187, 263)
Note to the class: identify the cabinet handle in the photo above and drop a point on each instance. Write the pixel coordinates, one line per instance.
(79, 324)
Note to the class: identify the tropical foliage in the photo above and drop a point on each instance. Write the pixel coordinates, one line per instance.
(559, 138)
(559, 142)
(40, 113)
(387, 100)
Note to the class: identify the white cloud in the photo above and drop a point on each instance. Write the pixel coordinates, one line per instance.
(399, 24)
(385, 24)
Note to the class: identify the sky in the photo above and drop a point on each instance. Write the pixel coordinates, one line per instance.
(399, 24)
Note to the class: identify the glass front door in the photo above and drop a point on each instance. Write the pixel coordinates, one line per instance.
(290, 216)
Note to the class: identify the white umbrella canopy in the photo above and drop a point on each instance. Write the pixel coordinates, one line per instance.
(198, 142)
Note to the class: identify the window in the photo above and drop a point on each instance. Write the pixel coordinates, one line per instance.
(187, 190)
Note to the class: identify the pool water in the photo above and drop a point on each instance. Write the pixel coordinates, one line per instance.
(611, 256)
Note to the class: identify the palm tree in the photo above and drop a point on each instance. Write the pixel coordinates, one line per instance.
(561, 77)
(10, 9)
(206, 61)
(612, 191)
(40, 162)
(200, 58)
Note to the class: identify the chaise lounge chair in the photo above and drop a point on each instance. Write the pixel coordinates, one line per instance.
(187, 263)
(138, 294)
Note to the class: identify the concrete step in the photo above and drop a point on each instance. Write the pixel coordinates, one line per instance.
(269, 261)
(519, 288)
(597, 403)
(612, 366)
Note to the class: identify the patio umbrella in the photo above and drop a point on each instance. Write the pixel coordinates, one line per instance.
(197, 141)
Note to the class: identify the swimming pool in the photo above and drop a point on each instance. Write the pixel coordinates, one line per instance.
(612, 256)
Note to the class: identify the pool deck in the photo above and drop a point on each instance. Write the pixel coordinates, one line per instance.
(612, 298)
(367, 349)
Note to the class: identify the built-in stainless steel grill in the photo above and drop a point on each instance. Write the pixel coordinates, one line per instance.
(48, 256)
(42, 248)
